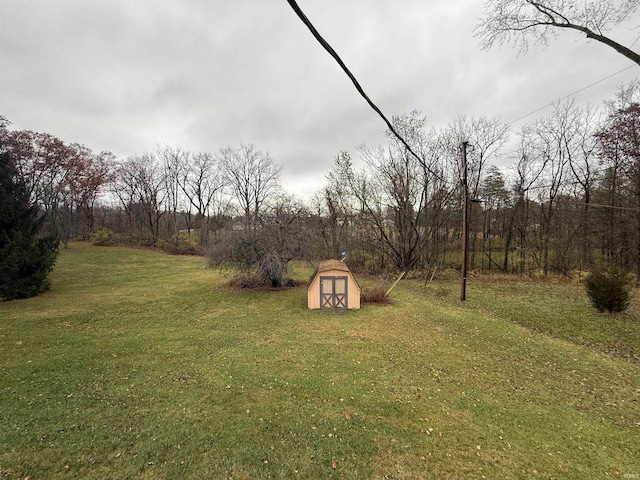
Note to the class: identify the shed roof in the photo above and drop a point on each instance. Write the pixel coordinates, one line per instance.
(332, 265)
(327, 265)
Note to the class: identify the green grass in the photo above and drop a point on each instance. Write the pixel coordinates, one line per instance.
(141, 365)
(561, 309)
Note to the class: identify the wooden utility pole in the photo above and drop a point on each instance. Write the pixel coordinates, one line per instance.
(465, 223)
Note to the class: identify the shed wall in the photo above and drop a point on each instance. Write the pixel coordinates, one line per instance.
(353, 289)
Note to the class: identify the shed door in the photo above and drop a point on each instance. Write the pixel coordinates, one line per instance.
(333, 292)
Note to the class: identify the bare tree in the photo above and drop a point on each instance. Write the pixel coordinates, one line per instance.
(485, 138)
(252, 176)
(332, 211)
(202, 183)
(527, 172)
(523, 21)
(267, 249)
(583, 164)
(399, 194)
(626, 96)
(173, 161)
(140, 186)
(556, 142)
(620, 149)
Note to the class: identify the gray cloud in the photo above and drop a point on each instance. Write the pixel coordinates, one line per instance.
(126, 75)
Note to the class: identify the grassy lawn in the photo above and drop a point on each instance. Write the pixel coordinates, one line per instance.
(139, 365)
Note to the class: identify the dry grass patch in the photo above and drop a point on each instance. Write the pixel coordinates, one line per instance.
(376, 295)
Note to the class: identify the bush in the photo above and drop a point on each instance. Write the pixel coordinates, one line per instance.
(255, 281)
(102, 237)
(188, 245)
(609, 289)
(251, 251)
(375, 295)
(25, 266)
(184, 245)
(246, 282)
(272, 269)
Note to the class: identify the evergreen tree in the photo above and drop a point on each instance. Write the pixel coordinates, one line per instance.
(25, 258)
(609, 288)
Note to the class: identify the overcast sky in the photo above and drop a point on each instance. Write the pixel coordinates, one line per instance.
(126, 75)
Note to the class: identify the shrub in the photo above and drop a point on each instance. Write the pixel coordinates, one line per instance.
(102, 237)
(255, 281)
(375, 295)
(252, 251)
(183, 245)
(609, 288)
(272, 269)
(163, 245)
(246, 281)
(188, 245)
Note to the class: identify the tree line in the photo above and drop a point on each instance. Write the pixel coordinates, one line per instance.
(567, 197)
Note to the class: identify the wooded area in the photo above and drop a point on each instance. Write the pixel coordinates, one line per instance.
(559, 194)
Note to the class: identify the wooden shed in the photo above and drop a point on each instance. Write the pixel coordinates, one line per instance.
(333, 286)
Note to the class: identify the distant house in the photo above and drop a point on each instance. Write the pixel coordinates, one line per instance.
(333, 286)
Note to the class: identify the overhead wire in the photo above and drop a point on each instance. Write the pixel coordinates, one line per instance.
(572, 94)
(305, 20)
(355, 82)
(567, 183)
(361, 91)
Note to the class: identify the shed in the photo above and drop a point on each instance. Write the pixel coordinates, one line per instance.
(333, 286)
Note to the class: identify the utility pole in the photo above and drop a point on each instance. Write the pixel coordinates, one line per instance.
(465, 223)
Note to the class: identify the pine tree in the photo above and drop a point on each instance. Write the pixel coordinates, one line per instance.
(609, 288)
(25, 258)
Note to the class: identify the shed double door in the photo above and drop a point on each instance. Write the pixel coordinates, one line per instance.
(333, 292)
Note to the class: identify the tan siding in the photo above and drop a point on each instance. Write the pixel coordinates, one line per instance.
(313, 292)
(354, 298)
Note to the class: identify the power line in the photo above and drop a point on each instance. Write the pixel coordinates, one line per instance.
(361, 91)
(615, 207)
(573, 93)
(355, 82)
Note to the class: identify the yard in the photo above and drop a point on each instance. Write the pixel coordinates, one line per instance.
(139, 364)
